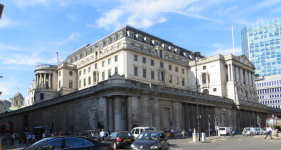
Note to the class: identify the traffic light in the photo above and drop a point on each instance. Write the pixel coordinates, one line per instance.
(209, 118)
(171, 123)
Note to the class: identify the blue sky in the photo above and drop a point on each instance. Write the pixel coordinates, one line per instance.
(32, 31)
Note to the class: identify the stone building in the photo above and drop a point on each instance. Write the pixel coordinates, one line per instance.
(153, 84)
(4, 105)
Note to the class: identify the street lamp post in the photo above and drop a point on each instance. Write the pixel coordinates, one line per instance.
(195, 54)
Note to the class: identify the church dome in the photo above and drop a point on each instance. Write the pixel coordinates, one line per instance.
(18, 94)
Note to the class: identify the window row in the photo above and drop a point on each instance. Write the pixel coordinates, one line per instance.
(270, 102)
(152, 76)
(272, 90)
(268, 83)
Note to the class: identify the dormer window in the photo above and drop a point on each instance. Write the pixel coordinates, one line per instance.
(90, 51)
(131, 34)
(113, 38)
(156, 43)
(165, 46)
(139, 37)
(107, 41)
(69, 61)
(147, 40)
(120, 35)
(75, 58)
(171, 48)
(79, 56)
(100, 45)
(84, 53)
(177, 50)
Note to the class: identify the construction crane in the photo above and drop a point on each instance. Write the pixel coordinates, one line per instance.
(58, 57)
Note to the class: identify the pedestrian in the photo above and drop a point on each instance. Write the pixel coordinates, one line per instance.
(252, 131)
(183, 132)
(20, 139)
(13, 139)
(172, 132)
(24, 138)
(102, 134)
(277, 133)
(44, 135)
(29, 139)
(190, 131)
(33, 138)
(268, 132)
(106, 133)
(51, 135)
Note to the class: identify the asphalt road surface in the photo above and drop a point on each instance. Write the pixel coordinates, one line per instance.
(237, 142)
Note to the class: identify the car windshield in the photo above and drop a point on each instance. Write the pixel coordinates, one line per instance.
(37, 144)
(148, 136)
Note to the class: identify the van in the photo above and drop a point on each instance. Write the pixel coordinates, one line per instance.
(225, 130)
(137, 130)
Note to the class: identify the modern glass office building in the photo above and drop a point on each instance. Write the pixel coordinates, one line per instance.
(261, 44)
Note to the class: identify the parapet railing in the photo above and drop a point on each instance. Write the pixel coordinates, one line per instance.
(46, 66)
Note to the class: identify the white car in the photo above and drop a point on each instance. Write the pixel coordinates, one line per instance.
(137, 130)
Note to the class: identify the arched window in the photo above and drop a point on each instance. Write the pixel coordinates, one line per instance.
(70, 84)
(204, 78)
(41, 96)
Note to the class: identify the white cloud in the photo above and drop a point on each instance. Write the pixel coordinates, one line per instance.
(224, 50)
(8, 86)
(27, 59)
(143, 13)
(7, 22)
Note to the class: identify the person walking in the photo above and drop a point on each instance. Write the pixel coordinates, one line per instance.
(20, 139)
(44, 135)
(183, 132)
(277, 133)
(33, 138)
(268, 132)
(102, 134)
(29, 139)
(24, 138)
(172, 132)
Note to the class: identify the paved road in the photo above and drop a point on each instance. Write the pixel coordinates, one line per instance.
(237, 142)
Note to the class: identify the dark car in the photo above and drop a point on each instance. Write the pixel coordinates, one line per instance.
(73, 143)
(120, 139)
(93, 134)
(151, 140)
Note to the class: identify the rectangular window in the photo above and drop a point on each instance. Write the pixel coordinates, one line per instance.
(136, 71)
(79, 73)
(96, 65)
(143, 60)
(89, 69)
(59, 84)
(177, 70)
(170, 67)
(204, 67)
(214, 89)
(170, 79)
(182, 81)
(109, 72)
(102, 76)
(135, 58)
(152, 75)
(182, 71)
(152, 62)
(84, 82)
(59, 73)
(144, 73)
(116, 70)
(89, 80)
(116, 58)
(177, 80)
(79, 83)
(109, 60)
(84, 71)
(102, 63)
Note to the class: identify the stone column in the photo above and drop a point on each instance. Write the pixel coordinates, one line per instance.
(253, 79)
(246, 78)
(156, 118)
(238, 74)
(50, 80)
(117, 103)
(36, 75)
(241, 76)
(233, 72)
(44, 85)
(130, 113)
(40, 80)
(110, 114)
(176, 117)
(228, 70)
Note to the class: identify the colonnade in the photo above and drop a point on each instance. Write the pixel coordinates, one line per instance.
(43, 80)
(240, 75)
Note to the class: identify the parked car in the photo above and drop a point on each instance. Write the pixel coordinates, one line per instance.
(120, 139)
(93, 134)
(151, 140)
(225, 130)
(246, 132)
(77, 143)
(137, 130)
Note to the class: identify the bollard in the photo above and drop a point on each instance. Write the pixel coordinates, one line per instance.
(194, 137)
(203, 137)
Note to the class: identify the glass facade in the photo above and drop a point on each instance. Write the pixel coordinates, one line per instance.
(261, 44)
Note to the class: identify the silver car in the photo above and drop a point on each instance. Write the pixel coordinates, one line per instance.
(246, 132)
